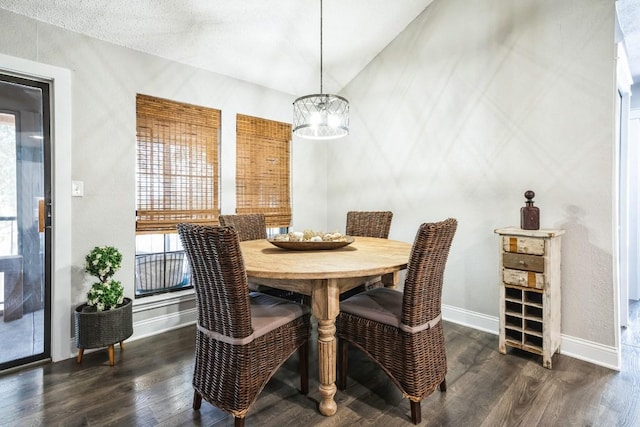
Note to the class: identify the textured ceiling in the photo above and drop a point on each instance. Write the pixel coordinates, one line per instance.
(629, 18)
(274, 43)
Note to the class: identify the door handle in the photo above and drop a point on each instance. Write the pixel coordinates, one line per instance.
(44, 215)
(41, 216)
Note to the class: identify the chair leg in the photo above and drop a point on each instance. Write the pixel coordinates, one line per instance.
(443, 385)
(197, 400)
(80, 353)
(238, 422)
(416, 413)
(121, 345)
(343, 358)
(303, 355)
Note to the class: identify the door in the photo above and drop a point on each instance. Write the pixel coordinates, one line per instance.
(25, 232)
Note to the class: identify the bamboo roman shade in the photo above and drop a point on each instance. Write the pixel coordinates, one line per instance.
(177, 164)
(262, 169)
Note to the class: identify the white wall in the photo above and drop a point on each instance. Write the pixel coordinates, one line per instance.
(474, 103)
(104, 81)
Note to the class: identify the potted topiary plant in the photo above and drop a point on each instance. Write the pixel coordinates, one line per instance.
(106, 318)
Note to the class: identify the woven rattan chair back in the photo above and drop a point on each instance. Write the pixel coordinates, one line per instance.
(248, 226)
(233, 362)
(217, 275)
(423, 284)
(369, 224)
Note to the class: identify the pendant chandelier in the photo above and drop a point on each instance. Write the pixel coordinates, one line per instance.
(321, 116)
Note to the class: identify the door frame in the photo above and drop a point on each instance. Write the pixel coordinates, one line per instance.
(61, 232)
(634, 167)
(31, 185)
(621, 207)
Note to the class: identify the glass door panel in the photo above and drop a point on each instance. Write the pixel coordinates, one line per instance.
(24, 232)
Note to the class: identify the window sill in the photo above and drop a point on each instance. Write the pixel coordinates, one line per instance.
(162, 300)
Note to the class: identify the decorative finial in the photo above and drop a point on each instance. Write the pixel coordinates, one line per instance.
(529, 195)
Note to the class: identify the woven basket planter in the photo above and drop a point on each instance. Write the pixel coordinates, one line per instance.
(96, 329)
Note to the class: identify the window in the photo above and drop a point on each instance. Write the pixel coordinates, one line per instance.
(161, 264)
(263, 168)
(177, 181)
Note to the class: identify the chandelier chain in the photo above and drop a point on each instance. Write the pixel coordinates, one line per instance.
(321, 47)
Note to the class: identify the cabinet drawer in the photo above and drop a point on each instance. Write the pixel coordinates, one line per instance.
(523, 262)
(529, 279)
(523, 245)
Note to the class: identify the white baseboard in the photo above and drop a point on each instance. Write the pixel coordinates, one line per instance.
(165, 323)
(471, 319)
(577, 348)
(591, 352)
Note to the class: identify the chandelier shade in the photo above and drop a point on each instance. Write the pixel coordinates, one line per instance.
(321, 116)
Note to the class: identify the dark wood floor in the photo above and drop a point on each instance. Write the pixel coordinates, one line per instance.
(151, 386)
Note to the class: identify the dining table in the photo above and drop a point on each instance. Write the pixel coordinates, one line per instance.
(323, 275)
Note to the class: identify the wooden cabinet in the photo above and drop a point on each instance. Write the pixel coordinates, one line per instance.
(530, 294)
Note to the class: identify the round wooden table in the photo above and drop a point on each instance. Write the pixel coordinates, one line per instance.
(324, 275)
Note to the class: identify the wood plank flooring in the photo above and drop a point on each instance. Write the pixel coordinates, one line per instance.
(151, 386)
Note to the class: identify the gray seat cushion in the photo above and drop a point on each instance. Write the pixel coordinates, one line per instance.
(382, 305)
(269, 312)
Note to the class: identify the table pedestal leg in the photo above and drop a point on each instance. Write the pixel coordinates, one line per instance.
(390, 280)
(325, 306)
(327, 365)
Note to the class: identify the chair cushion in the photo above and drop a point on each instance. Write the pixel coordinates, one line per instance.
(269, 312)
(381, 305)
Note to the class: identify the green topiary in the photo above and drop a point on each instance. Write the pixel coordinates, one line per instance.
(102, 262)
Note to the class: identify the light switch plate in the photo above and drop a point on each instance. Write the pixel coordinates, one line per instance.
(77, 188)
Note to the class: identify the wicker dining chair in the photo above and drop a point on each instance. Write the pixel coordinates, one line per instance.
(242, 338)
(367, 224)
(402, 331)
